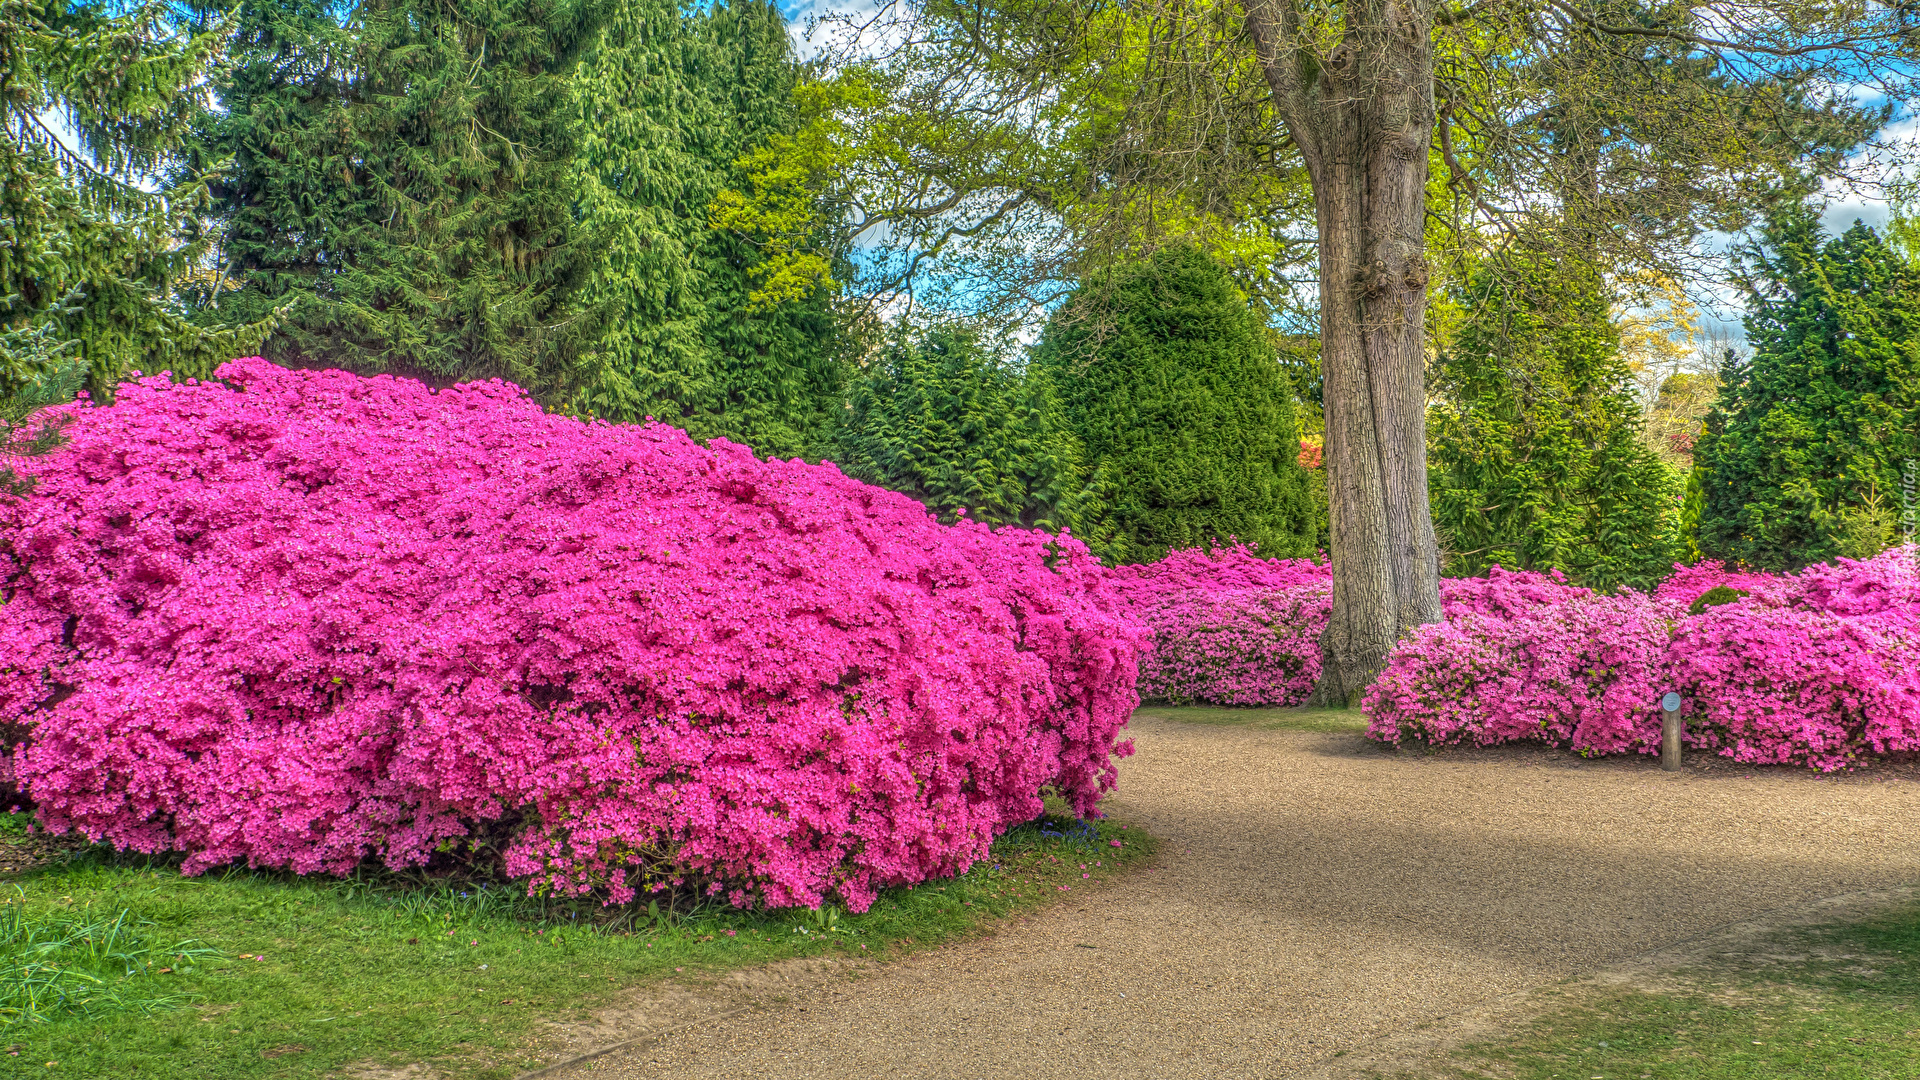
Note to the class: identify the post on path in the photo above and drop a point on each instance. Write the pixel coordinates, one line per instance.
(1670, 731)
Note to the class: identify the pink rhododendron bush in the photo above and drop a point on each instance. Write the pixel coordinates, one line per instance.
(1584, 673)
(304, 619)
(1230, 628)
(1689, 583)
(1818, 668)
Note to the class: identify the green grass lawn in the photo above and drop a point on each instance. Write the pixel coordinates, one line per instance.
(117, 968)
(1300, 719)
(1839, 1002)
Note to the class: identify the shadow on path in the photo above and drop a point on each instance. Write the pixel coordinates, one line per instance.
(1315, 904)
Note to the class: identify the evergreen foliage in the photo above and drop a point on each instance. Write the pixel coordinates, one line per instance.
(1802, 458)
(667, 104)
(1535, 456)
(939, 418)
(91, 264)
(25, 432)
(1167, 374)
(402, 182)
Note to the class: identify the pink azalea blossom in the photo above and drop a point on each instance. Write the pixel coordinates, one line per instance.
(302, 619)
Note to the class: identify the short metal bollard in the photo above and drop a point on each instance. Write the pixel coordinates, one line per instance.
(1670, 732)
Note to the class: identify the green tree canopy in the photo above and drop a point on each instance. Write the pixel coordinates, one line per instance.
(402, 183)
(1167, 374)
(1035, 140)
(1802, 457)
(938, 417)
(667, 104)
(92, 265)
(1535, 453)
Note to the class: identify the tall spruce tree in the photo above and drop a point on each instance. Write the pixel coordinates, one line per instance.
(403, 184)
(937, 417)
(1803, 455)
(1535, 451)
(92, 261)
(667, 104)
(1167, 374)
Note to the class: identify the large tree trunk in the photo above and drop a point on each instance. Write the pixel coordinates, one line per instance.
(1362, 116)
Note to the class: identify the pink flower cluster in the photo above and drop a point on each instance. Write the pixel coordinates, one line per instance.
(304, 619)
(1818, 668)
(1228, 568)
(1688, 583)
(1239, 647)
(1230, 628)
(1583, 672)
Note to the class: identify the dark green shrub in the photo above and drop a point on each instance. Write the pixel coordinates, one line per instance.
(1714, 597)
(1167, 374)
(939, 418)
(1534, 449)
(1802, 457)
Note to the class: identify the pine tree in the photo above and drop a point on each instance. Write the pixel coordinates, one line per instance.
(1535, 455)
(1803, 454)
(403, 184)
(939, 418)
(1167, 374)
(668, 103)
(92, 264)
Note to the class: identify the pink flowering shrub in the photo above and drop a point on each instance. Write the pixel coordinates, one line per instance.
(1818, 668)
(1238, 647)
(1506, 594)
(1583, 672)
(1689, 583)
(305, 619)
(1223, 569)
(1230, 628)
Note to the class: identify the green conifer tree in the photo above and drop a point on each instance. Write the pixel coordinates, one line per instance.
(939, 418)
(667, 104)
(1804, 452)
(403, 184)
(93, 264)
(1535, 456)
(1167, 375)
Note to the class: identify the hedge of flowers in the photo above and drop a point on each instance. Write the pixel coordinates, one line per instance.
(1230, 628)
(1820, 668)
(305, 619)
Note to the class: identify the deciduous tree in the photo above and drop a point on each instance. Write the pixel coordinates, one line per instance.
(1173, 119)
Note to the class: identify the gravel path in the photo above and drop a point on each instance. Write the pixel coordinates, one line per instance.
(1316, 896)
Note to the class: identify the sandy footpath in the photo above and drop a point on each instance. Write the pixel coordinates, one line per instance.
(1314, 897)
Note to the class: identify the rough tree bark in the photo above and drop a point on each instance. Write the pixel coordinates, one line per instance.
(1362, 115)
